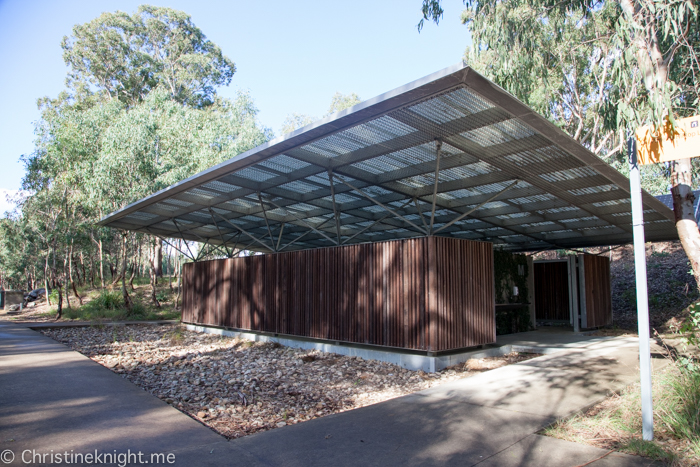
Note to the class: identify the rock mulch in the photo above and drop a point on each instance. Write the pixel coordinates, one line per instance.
(238, 387)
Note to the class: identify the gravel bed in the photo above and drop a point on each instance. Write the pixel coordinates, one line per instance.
(238, 387)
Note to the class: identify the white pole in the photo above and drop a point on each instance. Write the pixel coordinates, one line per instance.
(640, 268)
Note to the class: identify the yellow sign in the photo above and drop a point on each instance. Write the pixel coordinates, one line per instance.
(683, 143)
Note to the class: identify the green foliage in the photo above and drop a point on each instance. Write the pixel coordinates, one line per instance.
(53, 295)
(681, 407)
(128, 56)
(688, 333)
(108, 305)
(691, 326)
(648, 449)
(140, 113)
(294, 121)
(108, 300)
(160, 142)
(339, 102)
(595, 68)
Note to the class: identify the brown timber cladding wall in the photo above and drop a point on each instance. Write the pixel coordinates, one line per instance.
(429, 293)
(598, 300)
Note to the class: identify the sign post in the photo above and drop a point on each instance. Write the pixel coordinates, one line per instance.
(640, 268)
(669, 143)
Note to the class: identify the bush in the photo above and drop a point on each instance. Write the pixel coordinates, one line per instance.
(53, 295)
(108, 300)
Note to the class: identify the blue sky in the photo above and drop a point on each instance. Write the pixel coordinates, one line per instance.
(291, 55)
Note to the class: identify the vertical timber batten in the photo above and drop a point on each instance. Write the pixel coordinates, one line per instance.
(431, 294)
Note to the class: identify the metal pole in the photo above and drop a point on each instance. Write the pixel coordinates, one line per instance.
(640, 268)
(438, 146)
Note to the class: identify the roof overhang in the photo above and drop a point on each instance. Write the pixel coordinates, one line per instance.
(371, 173)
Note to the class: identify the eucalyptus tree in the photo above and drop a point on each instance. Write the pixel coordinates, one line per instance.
(159, 142)
(339, 102)
(127, 56)
(598, 69)
(139, 113)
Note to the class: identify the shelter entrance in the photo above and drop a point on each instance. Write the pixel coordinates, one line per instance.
(575, 290)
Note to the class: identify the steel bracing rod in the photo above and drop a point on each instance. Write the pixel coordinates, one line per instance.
(420, 213)
(383, 206)
(216, 247)
(223, 242)
(206, 242)
(267, 222)
(245, 248)
(438, 146)
(375, 222)
(182, 236)
(190, 256)
(335, 209)
(303, 235)
(267, 247)
(238, 236)
(305, 223)
(279, 239)
(459, 218)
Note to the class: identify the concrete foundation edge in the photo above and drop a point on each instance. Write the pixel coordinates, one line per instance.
(409, 361)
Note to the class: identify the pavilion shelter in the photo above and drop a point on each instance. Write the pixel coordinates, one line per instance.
(377, 224)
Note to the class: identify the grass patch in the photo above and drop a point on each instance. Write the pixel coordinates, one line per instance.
(616, 423)
(108, 305)
(649, 449)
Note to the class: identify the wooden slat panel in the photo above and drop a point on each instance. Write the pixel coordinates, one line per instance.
(598, 300)
(429, 293)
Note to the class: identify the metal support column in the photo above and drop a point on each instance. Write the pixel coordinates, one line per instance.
(335, 209)
(438, 146)
(267, 222)
(640, 268)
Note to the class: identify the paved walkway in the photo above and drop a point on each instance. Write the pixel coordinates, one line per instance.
(52, 398)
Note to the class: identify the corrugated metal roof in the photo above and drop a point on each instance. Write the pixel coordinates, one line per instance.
(369, 173)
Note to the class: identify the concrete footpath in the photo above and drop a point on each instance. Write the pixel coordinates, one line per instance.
(52, 398)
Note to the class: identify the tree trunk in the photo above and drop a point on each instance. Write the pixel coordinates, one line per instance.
(59, 308)
(102, 266)
(158, 260)
(92, 273)
(65, 276)
(179, 282)
(686, 224)
(135, 266)
(154, 280)
(46, 281)
(125, 294)
(82, 266)
(70, 275)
